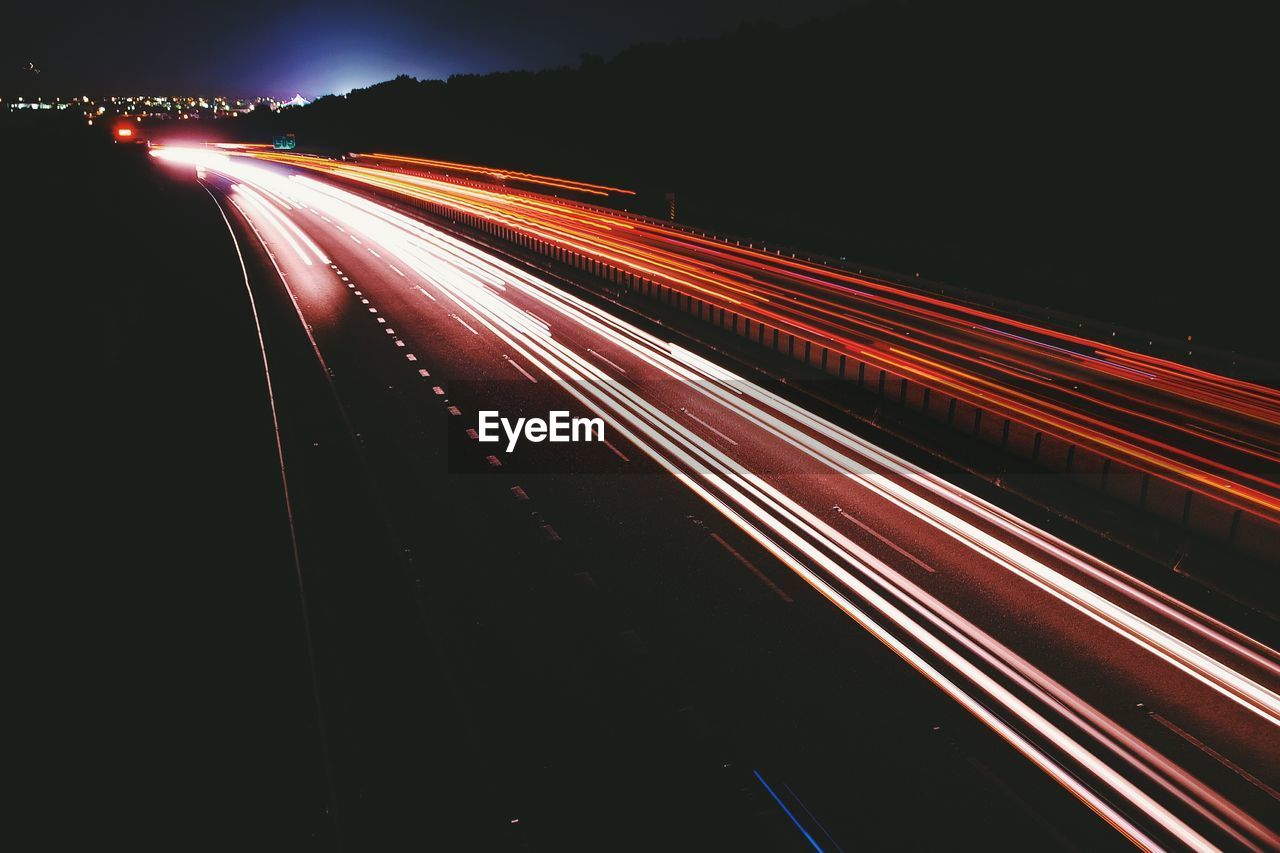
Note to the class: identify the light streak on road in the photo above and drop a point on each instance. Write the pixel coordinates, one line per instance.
(290, 230)
(1145, 794)
(1215, 435)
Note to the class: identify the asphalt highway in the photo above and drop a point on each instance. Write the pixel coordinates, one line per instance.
(1158, 719)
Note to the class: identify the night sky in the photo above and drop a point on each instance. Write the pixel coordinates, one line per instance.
(241, 48)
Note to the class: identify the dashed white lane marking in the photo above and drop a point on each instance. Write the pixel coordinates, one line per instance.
(350, 285)
(624, 457)
(423, 372)
(694, 417)
(340, 228)
(375, 254)
(424, 293)
(399, 343)
(325, 218)
(382, 320)
(388, 330)
(396, 271)
(365, 301)
(464, 323)
(454, 410)
(882, 538)
(511, 361)
(354, 237)
(494, 462)
(410, 356)
(439, 392)
(606, 361)
(373, 310)
(752, 566)
(473, 435)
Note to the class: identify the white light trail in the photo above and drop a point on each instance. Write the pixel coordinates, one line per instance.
(1009, 694)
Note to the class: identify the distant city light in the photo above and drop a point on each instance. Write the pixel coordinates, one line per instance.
(159, 107)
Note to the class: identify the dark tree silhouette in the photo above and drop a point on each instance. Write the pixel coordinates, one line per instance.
(1078, 156)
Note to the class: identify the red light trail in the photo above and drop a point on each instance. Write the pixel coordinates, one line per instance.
(1213, 434)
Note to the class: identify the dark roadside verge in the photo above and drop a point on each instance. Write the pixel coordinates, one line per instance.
(166, 695)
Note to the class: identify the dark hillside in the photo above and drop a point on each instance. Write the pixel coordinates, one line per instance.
(1096, 157)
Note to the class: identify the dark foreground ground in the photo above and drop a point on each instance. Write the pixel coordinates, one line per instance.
(168, 693)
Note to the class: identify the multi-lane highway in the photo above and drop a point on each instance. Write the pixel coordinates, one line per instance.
(1162, 721)
(1212, 434)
